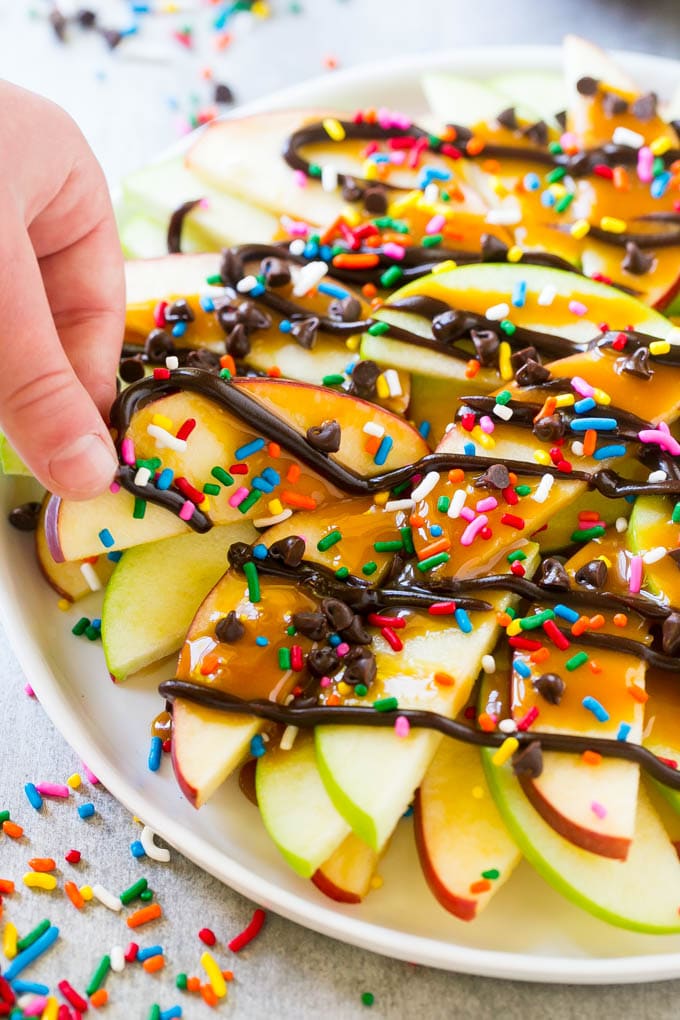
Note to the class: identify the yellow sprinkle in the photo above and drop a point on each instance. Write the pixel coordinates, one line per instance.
(162, 421)
(499, 187)
(660, 145)
(64, 605)
(613, 224)
(381, 498)
(74, 781)
(351, 216)
(477, 792)
(483, 438)
(204, 504)
(10, 936)
(513, 628)
(275, 507)
(369, 170)
(381, 387)
(401, 205)
(51, 1010)
(86, 892)
(212, 969)
(579, 229)
(345, 689)
(352, 343)
(600, 397)
(444, 267)
(564, 400)
(422, 205)
(260, 9)
(377, 882)
(542, 457)
(515, 253)
(40, 880)
(659, 347)
(557, 190)
(334, 129)
(505, 751)
(504, 366)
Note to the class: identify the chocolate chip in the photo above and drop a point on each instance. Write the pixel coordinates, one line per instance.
(239, 553)
(325, 437)
(304, 331)
(592, 574)
(58, 23)
(131, 369)
(252, 317)
(670, 634)
(86, 18)
(229, 629)
(551, 574)
(449, 325)
(205, 359)
(636, 261)
(508, 118)
(613, 105)
(351, 189)
(529, 761)
(561, 118)
(495, 477)
(636, 363)
(276, 271)
(587, 86)
(364, 377)
(25, 517)
(356, 633)
(644, 107)
(375, 200)
(486, 344)
(338, 614)
(223, 94)
(493, 249)
(312, 625)
(360, 667)
(237, 342)
(532, 373)
(551, 687)
(158, 346)
(674, 554)
(290, 550)
(346, 309)
(179, 311)
(112, 37)
(537, 133)
(524, 355)
(323, 662)
(550, 428)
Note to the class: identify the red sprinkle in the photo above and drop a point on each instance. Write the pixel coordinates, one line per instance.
(671, 762)
(517, 569)
(159, 314)
(131, 952)
(555, 634)
(297, 659)
(6, 993)
(525, 643)
(207, 936)
(240, 941)
(188, 490)
(186, 428)
(392, 638)
(69, 993)
(513, 521)
(238, 469)
(602, 170)
(161, 373)
(73, 857)
(396, 622)
(525, 722)
(619, 344)
(442, 609)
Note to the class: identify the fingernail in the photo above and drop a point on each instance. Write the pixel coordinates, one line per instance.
(85, 465)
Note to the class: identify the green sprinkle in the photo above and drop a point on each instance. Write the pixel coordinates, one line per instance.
(342, 573)
(504, 397)
(4, 816)
(368, 998)
(585, 534)
(99, 976)
(658, 166)
(81, 626)
(522, 490)
(576, 661)
(491, 873)
(332, 538)
(391, 276)
(676, 514)
(313, 238)
(251, 499)
(379, 328)
(407, 539)
(284, 658)
(516, 555)
(402, 487)
(563, 204)
(388, 546)
(215, 280)
(139, 508)
(537, 620)
(291, 631)
(146, 895)
(443, 504)
(386, 704)
(133, 891)
(250, 570)
(155, 1011)
(33, 935)
(512, 612)
(433, 561)
(314, 170)
(508, 327)
(225, 373)
(369, 568)
(444, 195)
(153, 463)
(181, 982)
(432, 240)
(92, 633)
(211, 490)
(555, 148)
(361, 690)
(556, 175)
(434, 141)
(384, 222)
(222, 476)
(334, 379)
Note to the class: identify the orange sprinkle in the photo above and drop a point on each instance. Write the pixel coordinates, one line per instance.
(580, 627)
(589, 442)
(486, 723)
(333, 699)
(274, 450)
(364, 260)
(503, 619)
(12, 830)
(595, 667)
(74, 894)
(591, 757)
(332, 229)
(491, 166)
(638, 693)
(597, 621)
(369, 290)
(297, 500)
(372, 445)
(480, 886)
(226, 361)
(144, 915)
(42, 864)
(228, 975)
(376, 303)
(6, 885)
(154, 963)
(620, 620)
(540, 655)
(513, 477)
(416, 521)
(208, 995)
(621, 179)
(405, 240)
(374, 241)
(472, 368)
(293, 473)
(441, 545)
(451, 232)
(449, 134)
(475, 146)
(547, 409)
(193, 984)
(209, 664)
(91, 559)
(99, 998)
(444, 679)
(274, 372)
(370, 116)
(222, 40)
(456, 475)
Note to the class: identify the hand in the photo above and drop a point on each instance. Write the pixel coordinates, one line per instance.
(62, 300)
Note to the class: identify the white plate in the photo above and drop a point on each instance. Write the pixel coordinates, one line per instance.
(529, 932)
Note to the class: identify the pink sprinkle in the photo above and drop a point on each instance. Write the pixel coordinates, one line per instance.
(577, 308)
(394, 251)
(401, 121)
(398, 157)
(582, 387)
(325, 681)
(36, 1007)
(645, 164)
(467, 513)
(370, 149)
(662, 437)
(486, 504)
(187, 511)
(598, 809)
(473, 529)
(569, 140)
(127, 451)
(486, 424)
(436, 224)
(342, 649)
(525, 722)
(300, 178)
(635, 576)
(114, 487)
(29, 690)
(204, 203)
(402, 727)
(89, 774)
(53, 790)
(296, 228)
(237, 497)
(384, 117)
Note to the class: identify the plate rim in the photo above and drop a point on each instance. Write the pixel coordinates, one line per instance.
(324, 918)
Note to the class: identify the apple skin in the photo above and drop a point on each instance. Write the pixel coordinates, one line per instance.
(330, 889)
(463, 908)
(346, 876)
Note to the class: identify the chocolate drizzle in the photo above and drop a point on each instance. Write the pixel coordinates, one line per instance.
(176, 223)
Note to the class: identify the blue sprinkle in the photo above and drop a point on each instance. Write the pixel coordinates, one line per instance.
(521, 667)
(261, 641)
(96, 623)
(207, 303)
(260, 551)
(386, 445)
(463, 621)
(660, 184)
(408, 812)
(173, 1013)
(148, 952)
(436, 530)
(165, 478)
(137, 850)
(249, 448)
(257, 748)
(34, 798)
(547, 199)
(257, 290)
(155, 752)
(469, 449)
(106, 538)
(349, 367)
(285, 325)
(599, 424)
(379, 157)
(325, 253)
(334, 640)
(624, 730)
(519, 294)
(587, 404)
(532, 182)
(630, 499)
(424, 429)
(615, 450)
(115, 557)
(262, 484)
(26, 958)
(29, 988)
(565, 613)
(141, 8)
(272, 476)
(311, 250)
(86, 810)
(332, 291)
(598, 710)
(179, 329)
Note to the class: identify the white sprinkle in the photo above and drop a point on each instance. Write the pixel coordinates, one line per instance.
(172, 362)
(488, 664)
(577, 448)
(156, 853)
(107, 898)
(142, 477)
(164, 438)
(543, 490)
(621, 525)
(504, 217)
(547, 295)
(246, 284)
(496, 312)
(657, 476)
(457, 503)
(307, 277)
(654, 555)
(297, 246)
(329, 178)
(391, 377)
(431, 193)
(117, 959)
(425, 487)
(90, 575)
(624, 136)
(268, 522)
(288, 737)
(399, 504)
(503, 412)
(507, 726)
(371, 428)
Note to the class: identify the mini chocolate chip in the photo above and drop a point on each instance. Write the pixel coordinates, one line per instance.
(237, 342)
(323, 662)
(587, 86)
(364, 377)
(486, 344)
(179, 311)
(252, 317)
(59, 24)
(131, 369)
(112, 37)
(290, 550)
(304, 701)
(592, 574)
(25, 517)
(551, 574)
(636, 363)
(312, 625)
(86, 18)
(521, 357)
(561, 118)
(674, 554)
(670, 634)
(223, 94)
(229, 629)
(636, 261)
(356, 633)
(493, 249)
(644, 107)
(346, 309)
(375, 200)
(537, 133)
(338, 614)
(325, 437)
(351, 189)
(550, 428)
(508, 118)
(551, 687)
(613, 105)
(449, 325)
(205, 359)
(495, 477)
(239, 553)
(529, 761)
(532, 373)
(360, 667)
(157, 346)
(276, 271)
(304, 331)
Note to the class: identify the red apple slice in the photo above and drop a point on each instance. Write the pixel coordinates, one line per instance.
(69, 580)
(347, 875)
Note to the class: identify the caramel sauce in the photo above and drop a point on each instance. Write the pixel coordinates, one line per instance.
(162, 725)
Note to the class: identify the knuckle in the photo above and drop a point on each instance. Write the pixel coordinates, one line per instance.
(30, 399)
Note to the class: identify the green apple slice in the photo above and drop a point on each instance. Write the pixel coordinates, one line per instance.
(154, 593)
(662, 735)
(458, 100)
(534, 94)
(10, 462)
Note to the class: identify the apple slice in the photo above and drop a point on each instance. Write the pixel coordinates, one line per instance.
(155, 592)
(148, 281)
(68, 579)
(347, 875)
(10, 462)
(465, 850)
(662, 734)
(73, 529)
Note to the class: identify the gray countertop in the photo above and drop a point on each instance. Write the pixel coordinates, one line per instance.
(288, 972)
